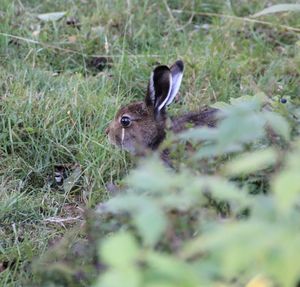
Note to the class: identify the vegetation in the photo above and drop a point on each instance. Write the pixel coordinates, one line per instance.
(74, 211)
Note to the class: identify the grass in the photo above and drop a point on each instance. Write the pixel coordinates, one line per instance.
(55, 103)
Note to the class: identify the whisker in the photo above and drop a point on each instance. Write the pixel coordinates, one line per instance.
(123, 136)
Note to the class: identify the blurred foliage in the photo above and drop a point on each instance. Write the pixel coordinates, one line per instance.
(186, 227)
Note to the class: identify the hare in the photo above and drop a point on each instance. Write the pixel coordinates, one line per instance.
(141, 126)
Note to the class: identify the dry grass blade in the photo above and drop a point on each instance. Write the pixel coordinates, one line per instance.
(277, 9)
(242, 19)
(48, 46)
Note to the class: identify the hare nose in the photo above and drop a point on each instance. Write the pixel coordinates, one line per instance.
(107, 130)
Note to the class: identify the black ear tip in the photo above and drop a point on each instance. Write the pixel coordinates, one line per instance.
(161, 68)
(180, 65)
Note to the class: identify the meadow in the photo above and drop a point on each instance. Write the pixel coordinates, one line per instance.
(62, 78)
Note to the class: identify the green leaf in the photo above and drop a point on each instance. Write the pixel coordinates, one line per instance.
(278, 124)
(128, 276)
(278, 8)
(147, 215)
(240, 127)
(51, 16)
(225, 190)
(162, 284)
(251, 162)
(151, 223)
(72, 179)
(287, 188)
(201, 133)
(169, 269)
(220, 105)
(114, 246)
(245, 100)
(151, 176)
(259, 281)
(212, 150)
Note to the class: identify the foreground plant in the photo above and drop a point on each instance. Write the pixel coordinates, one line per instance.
(178, 234)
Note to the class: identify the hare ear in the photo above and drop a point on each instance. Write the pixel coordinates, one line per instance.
(177, 73)
(159, 88)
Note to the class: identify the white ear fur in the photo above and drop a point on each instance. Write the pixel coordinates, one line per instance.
(151, 89)
(176, 82)
(177, 74)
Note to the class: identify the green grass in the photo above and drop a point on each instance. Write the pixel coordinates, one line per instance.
(55, 105)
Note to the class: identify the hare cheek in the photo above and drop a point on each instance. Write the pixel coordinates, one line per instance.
(114, 139)
(118, 139)
(111, 139)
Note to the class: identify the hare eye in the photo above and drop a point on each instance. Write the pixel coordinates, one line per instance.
(125, 121)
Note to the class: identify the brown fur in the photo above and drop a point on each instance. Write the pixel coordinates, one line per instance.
(204, 117)
(147, 128)
(148, 132)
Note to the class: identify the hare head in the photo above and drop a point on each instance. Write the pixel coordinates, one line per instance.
(141, 125)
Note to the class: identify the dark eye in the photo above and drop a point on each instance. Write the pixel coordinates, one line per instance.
(125, 121)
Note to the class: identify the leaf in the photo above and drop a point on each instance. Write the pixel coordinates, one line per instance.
(287, 188)
(151, 176)
(278, 124)
(171, 270)
(220, 105)
(235, 237)
(51, 16)
(254, 101)
(259, 281)
(121, 252)
(126, 277)
(278, 8)
(72, 179)
(122, 243)
(249, 128)
(201, 133)
(147, 215)
(164, 283)
(151, 223)
(217, 150)
(267, 241)
(226, 190)
(251, 162)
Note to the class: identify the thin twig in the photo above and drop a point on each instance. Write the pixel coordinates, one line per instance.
(61, 220)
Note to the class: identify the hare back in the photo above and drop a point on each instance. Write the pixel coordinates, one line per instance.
(204, 117)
